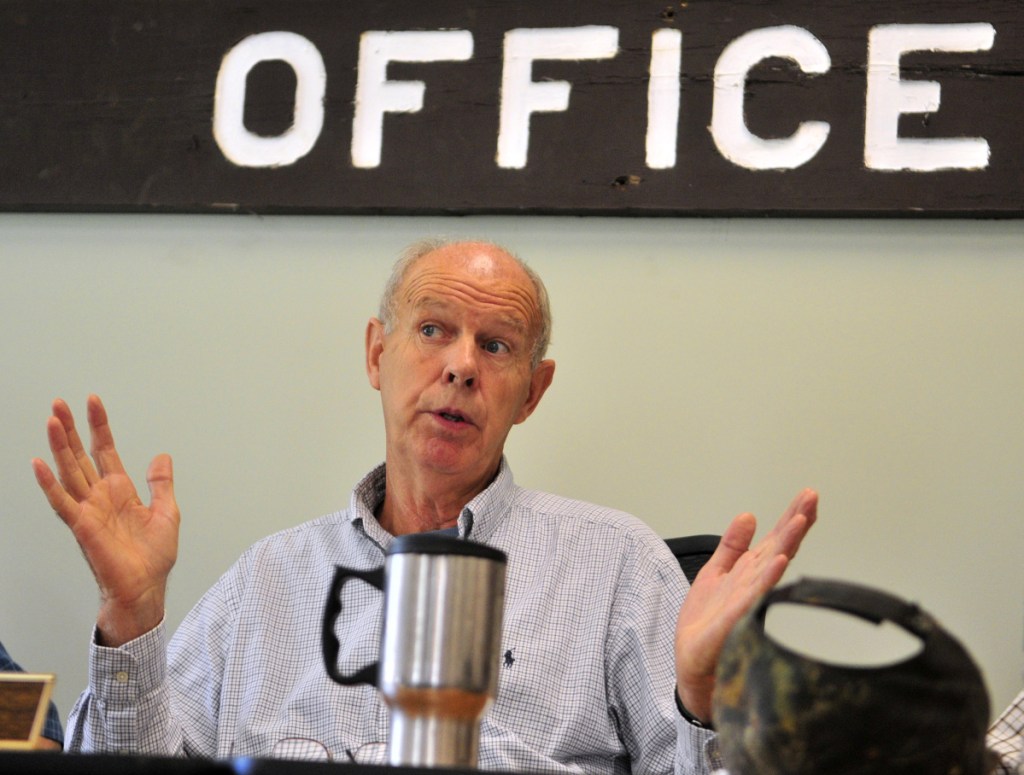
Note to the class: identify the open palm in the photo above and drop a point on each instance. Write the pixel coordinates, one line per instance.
(130, 547)
(731, 581)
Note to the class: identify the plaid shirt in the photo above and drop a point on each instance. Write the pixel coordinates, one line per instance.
(52, 727)
(1006, 738)
(587, 685)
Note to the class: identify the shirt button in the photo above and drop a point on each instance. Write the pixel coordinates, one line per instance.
(121, 676)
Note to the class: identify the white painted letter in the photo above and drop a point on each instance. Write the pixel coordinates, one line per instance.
(376, 95)
(663, 99)
(728, 125)
(238, 144)
(521, 96)
(888, 97)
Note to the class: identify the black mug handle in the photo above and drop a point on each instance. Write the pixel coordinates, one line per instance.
(332, 609)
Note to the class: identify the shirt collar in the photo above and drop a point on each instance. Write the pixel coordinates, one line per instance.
(478, 520)
(482, 515)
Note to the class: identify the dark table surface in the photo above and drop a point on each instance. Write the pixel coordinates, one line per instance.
(40, 763)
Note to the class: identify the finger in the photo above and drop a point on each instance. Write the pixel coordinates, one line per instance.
(160, 478)
(62, 504)
(103, 450)
(809, 506)
(74, 480)
(63, 413)
(801, 515)
(805, 502)
(734, 543)
(792, 537)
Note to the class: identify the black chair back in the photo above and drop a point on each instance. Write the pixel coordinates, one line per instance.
(692, 552)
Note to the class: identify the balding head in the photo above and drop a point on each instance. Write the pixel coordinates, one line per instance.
(414, 253)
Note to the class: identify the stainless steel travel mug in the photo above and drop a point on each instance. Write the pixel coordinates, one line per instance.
(440, 645)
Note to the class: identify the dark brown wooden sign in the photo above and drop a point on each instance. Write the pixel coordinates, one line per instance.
(704, 107)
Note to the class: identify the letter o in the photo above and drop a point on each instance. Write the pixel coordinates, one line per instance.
(238, 144)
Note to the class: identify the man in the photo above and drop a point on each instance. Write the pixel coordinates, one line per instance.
(593, 597)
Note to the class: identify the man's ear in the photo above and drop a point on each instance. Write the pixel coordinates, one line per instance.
(374, 348)
(540, 380)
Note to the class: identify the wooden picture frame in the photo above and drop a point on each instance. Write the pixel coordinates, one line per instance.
(24, 703)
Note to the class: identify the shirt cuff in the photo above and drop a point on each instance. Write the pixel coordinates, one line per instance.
(690, 718)
(698, 745)
(127, 672)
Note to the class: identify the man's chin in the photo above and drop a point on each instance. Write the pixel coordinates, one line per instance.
(456, 460)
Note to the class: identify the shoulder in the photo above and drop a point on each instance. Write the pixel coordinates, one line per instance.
(324, 535)
(295, 554)
(285, 572)
(601, 529)
(536, 503)
(565, 547)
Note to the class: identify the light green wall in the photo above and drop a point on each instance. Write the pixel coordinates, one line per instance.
(705, 367)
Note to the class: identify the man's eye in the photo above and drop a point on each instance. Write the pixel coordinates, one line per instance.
(495, 347)
(429, 330)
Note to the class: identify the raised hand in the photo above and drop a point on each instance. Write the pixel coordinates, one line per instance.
(130, 547)
(733, 579)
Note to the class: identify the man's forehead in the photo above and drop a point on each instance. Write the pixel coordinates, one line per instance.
(472, 259)
(482, 262)
(472, 274)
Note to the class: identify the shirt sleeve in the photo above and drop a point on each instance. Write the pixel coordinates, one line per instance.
(642, 669)
(697, 750)
(126, 707)
(52, 728)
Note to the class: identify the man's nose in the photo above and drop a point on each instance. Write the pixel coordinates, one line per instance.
(461, 367)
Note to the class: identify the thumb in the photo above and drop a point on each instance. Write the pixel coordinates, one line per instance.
(160, 478)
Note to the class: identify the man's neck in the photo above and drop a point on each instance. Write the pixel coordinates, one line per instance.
(419, 504)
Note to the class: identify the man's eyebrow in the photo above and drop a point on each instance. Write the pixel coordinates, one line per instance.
(427, 303)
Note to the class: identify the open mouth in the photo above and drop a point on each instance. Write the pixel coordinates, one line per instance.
(453, 417)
